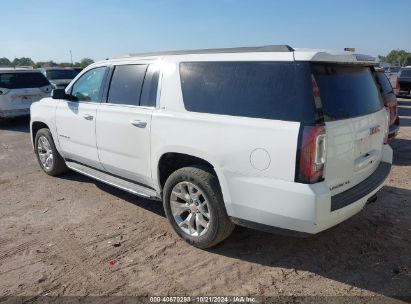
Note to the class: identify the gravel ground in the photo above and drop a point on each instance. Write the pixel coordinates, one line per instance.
(75, 236)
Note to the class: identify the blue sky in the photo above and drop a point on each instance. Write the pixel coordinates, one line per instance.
(45, 29)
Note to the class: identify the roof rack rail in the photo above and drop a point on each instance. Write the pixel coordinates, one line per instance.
(266, 48)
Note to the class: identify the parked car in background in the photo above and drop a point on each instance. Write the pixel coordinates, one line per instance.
(390, 102)
(393, 73)
(272, 138)
(19, 88)
(404, 81)
(77, 69)
(59, 77)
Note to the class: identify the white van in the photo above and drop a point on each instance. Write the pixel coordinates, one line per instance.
(19, 88)
(272, 138)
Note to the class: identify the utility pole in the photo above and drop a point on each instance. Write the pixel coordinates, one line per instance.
(71, 57)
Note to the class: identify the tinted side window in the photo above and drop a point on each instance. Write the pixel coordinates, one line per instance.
(405, 73)
(149, 93)
(384, 82)
(21, 80)
(346, 90)
(88, 86)
(126, 84)
(270, 90)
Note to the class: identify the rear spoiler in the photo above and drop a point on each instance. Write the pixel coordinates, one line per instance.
(333, 57)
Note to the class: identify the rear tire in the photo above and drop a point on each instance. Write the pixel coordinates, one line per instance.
(197, 213)
(48, 157)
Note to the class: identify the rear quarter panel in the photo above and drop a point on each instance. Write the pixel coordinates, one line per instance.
(227, 142)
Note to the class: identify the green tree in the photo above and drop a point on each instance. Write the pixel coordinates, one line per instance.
(24, 61)
(398, 57)
(86, 62)
(5, 62)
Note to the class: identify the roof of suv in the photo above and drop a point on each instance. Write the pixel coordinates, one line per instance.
(264, 53)
(300, 54)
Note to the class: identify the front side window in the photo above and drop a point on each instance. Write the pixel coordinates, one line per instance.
(126, 84)
(88, 86)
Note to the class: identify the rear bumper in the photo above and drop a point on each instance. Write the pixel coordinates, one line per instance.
(305, 209)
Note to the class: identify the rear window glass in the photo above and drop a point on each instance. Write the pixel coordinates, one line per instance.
(126, 84)
(269, 90)
(60, 74)
(384, 82)
(346, 91)
(22, 80)
(405, 73)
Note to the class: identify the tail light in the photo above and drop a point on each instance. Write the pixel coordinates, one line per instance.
(387, 125)
(311, 154)
(397, 87)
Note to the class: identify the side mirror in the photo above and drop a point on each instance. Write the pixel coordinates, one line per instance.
(59, 94)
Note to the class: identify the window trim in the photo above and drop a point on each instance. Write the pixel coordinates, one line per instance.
(107, 85)
(70, 89)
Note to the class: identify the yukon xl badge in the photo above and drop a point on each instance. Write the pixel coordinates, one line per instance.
(374, 130)
(339, 185)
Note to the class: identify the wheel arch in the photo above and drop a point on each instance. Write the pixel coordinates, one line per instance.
(35, 127)
(169, 162)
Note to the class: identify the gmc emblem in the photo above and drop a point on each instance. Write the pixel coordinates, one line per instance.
(374, 130)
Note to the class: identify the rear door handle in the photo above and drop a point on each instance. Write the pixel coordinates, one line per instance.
(88, 116)
(139, 123)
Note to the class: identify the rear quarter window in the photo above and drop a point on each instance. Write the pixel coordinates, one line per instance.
(384, 82)
(268, 90)
(346, 91)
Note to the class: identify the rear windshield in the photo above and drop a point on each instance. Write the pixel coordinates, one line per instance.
(269, 90)
(346, 91)
(384, 82)
(60, 74)
(22, 80)
(405, 73)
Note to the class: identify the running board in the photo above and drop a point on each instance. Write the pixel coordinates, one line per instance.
(114, 181)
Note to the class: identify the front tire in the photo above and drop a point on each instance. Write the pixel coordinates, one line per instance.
(48, 157)
(194, 206)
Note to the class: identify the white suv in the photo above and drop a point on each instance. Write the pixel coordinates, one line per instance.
(270, 137)
(19, 88)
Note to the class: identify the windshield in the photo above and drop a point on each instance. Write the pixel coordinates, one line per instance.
(346, 91)
(394, 69)
(23, 80)
(405, 73)
(60, 74)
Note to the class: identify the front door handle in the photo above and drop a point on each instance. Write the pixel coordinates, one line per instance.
(139, 123)
(88, 116)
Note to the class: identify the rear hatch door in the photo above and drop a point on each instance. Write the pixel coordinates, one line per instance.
(355, 120)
